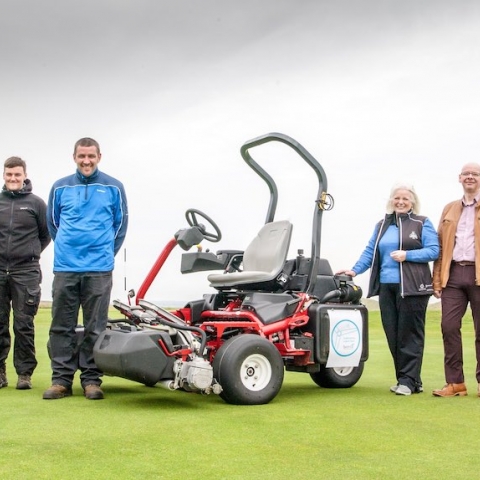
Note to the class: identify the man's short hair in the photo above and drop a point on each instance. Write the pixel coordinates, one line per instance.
(12, 162)
(86, 142)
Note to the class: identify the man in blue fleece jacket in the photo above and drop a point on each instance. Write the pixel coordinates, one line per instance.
(87, 218)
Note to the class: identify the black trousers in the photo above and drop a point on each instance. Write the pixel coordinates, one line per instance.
(403, 321)
(91, 291)
(20, 292)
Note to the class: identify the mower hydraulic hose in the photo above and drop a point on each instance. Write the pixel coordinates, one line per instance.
(174, 322)
(202, 334)
(330, 295)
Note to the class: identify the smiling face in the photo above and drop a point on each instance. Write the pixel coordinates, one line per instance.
(87, 159)
(402, 201)
(470, 178)
(14, 178)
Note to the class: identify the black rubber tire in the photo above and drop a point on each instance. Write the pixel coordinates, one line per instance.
(345, 377)
(250, 370)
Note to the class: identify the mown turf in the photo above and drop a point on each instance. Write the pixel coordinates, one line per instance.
(306, 432)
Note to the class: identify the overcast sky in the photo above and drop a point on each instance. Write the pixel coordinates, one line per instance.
(378, 91)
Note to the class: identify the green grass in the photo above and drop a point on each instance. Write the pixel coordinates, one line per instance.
(306, 432)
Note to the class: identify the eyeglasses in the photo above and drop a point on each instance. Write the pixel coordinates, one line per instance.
(470, 174)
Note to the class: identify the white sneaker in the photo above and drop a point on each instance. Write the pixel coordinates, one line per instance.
(394, 388)
(403, 390)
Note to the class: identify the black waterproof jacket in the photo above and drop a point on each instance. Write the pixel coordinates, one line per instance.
(23, 228)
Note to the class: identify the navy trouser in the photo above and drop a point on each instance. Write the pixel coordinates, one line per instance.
(20, 291)
(403, 320)
(91, 291)
(459, 291)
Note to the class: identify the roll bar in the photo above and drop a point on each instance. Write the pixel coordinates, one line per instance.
(320, 204)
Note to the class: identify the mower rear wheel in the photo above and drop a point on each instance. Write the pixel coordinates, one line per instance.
(250, 370)
(338, 377)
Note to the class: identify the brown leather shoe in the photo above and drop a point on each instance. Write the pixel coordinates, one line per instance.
(93, 392)
(24, 382)
(57, 391)
(451, 390)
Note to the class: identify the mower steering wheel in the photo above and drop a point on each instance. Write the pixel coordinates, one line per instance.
(191, 216)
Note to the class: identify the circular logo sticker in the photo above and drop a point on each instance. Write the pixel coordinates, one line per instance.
(345, 338)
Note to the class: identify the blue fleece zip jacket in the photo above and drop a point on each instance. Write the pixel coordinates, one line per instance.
(417, 236)
(87, 218)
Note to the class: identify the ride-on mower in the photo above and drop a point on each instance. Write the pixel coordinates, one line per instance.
(268, 313)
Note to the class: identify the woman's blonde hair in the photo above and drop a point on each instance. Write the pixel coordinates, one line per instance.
(413, 197)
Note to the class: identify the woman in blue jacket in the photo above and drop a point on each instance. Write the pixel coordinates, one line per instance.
(398, 255)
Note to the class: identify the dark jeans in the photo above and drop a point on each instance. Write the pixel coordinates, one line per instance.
(91, 291)
(403, 320)
(19, 291)
(460, 290)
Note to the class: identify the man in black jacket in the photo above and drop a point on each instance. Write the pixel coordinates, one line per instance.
(23, 236)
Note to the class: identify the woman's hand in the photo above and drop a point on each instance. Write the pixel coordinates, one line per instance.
(350, 273)
(399, 255)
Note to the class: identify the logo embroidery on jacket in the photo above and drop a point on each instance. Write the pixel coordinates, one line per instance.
(413, 236)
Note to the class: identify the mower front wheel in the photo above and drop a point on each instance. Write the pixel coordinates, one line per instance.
(250, 370)
(338, 377)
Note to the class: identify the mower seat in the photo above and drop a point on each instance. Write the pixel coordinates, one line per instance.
(263, 259)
